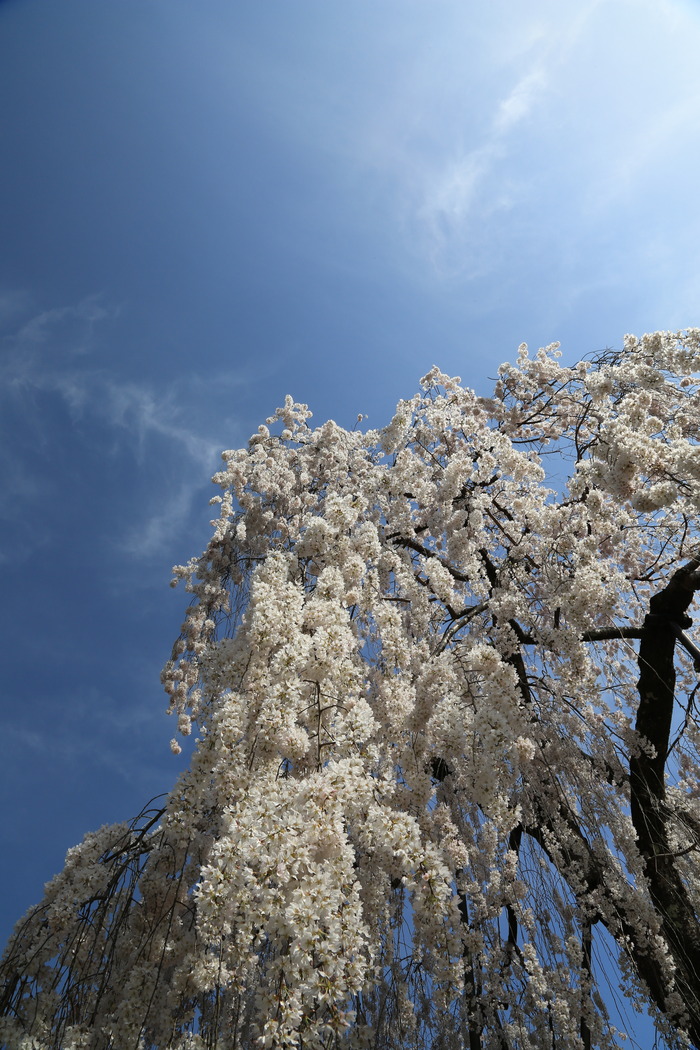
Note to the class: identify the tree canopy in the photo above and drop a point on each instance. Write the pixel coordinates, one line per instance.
(447, 752)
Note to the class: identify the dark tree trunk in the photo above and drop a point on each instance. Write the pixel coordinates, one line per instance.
(657, 678)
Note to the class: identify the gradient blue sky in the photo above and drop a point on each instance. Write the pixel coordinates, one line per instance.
(207, 204)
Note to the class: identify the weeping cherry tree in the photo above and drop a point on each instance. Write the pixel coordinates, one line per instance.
(445, 788)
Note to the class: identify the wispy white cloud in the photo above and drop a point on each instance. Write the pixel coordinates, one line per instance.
(532, 125)
(453, 192)
(142, 417)
(80, 320)
(459, 197)
(157, 427)
(150, 535)
(519, 103)
(138, 411)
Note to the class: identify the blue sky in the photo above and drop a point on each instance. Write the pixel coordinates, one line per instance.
(207, 205)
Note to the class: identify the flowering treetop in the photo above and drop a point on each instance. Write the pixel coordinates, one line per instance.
(429, 771)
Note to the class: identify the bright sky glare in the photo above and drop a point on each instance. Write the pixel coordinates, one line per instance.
(210, 205)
